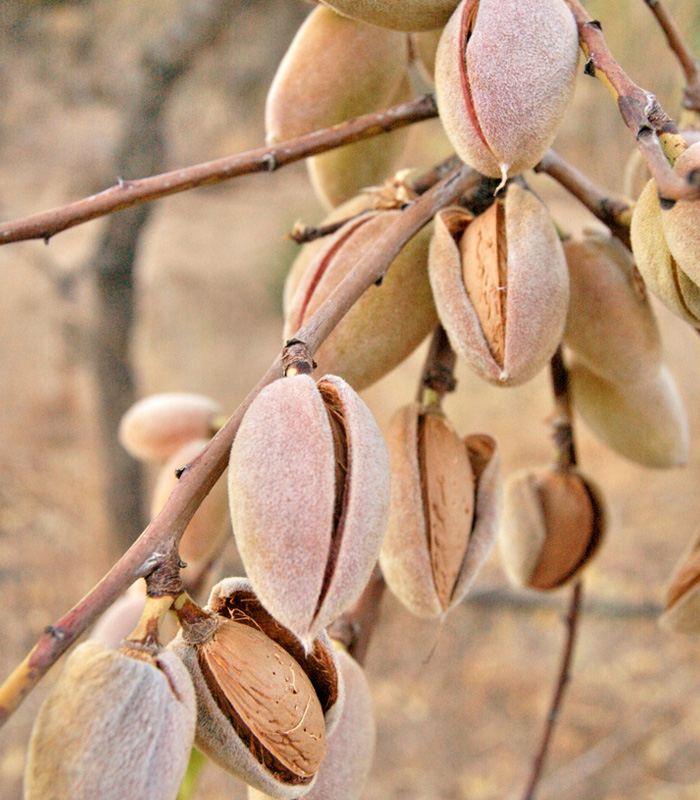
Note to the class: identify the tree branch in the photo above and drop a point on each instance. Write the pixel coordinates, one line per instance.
(566, 458)
(559, 691)
(616, 214)
(128, 193)
(689, 64)
(165, 531)
(640, 111)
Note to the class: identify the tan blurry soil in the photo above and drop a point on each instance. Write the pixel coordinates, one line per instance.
(459, 706)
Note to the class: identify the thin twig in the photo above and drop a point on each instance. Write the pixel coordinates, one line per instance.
(566, 458)
(302, 234)
(200, 475)
(689, 64)
(640, 110)
(562, 427)
(616, 214)
(563, 680)
(503, 597)
(127, 193)
(355, 627)
(438, 370)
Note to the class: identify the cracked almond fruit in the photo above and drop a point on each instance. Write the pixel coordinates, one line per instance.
(445, 500)
(501, 286)
(309, 497)
(337, 69)
(682, 607)
(265, 703)
(553, 524)
(504, 76)
(117, 723)
(390, 319)
(350, 748)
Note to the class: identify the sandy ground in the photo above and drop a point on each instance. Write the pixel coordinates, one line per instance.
(459, 706)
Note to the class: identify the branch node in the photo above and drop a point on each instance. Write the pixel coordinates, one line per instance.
(297, 358)
(58, 634)
(270, 162)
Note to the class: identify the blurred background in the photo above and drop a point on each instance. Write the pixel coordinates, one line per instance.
(92, 90)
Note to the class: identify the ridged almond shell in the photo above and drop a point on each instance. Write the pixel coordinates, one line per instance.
(265, 704)
(498, 61)
(271, 693)
(350, 748)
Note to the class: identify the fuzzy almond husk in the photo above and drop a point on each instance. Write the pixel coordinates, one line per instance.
(351, 747)
(338, 175)
(524, 300)
(657, 265)
(233, 727)
(553, 524)
(116, 724)
(401, 15)
(504, 76)
(681, 222)
(344, 213)
(155, 427)
(610, 325)
(645, 422)
(308, 538)
(387, 323)
(462, 523)
(336, 69)
(682, 611)
(209, 528)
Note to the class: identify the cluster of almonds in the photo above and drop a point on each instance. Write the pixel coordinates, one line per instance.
(316, 497)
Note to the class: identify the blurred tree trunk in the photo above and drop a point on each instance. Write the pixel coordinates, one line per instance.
(142, 152)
